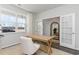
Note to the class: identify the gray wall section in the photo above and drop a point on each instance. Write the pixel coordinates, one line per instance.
(47, 23)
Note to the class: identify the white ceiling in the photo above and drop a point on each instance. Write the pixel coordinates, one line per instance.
(37, 8)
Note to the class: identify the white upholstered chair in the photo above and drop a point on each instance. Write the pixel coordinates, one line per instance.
(28, 47)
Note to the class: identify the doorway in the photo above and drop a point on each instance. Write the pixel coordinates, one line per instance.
(51, 27)
(55, 31)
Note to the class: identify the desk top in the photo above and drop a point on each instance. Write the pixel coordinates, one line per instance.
(39, 37)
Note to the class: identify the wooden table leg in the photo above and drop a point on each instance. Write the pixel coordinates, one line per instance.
(49, 47)
(50, 42)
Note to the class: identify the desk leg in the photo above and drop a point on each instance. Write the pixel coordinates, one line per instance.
(49, 47)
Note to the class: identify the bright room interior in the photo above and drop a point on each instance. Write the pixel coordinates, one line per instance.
(39, 29)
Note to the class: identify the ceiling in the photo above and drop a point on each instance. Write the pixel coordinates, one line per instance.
(37, 8)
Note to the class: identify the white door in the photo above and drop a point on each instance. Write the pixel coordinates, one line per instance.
(67, 31)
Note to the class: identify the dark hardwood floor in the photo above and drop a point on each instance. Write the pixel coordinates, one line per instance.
(72, 51)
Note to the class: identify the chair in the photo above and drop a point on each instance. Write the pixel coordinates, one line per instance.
(28, 46)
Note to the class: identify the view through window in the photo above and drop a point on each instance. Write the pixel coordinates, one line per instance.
(9, 23)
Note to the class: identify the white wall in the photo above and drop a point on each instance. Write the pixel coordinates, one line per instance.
(10, 38)
(34, 24)
(62, 10)
(12, 8)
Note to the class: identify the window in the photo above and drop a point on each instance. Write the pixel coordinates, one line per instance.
(21, 22)
(9, 23)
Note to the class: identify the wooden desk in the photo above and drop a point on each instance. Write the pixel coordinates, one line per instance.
(46, 39)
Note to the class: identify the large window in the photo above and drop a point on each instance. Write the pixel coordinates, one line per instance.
(9, 23)
(21, 22)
